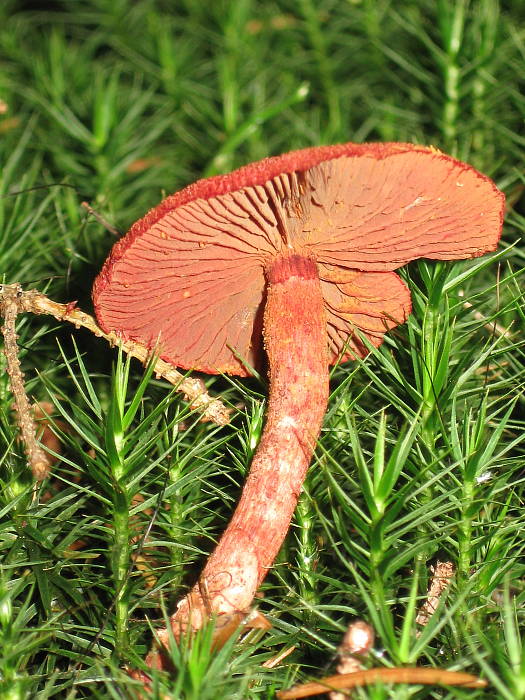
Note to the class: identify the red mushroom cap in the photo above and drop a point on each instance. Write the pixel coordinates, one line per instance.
(189, 277)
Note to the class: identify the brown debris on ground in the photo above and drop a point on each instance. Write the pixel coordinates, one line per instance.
(357, 643)
(442, 572)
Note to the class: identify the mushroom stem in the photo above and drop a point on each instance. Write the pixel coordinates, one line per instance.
(297, 347)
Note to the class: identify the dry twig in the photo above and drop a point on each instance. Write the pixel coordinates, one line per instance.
(490, 326)
(9, 307)
(276, 660)
(413, 676)
(194, 390)
(101, 220)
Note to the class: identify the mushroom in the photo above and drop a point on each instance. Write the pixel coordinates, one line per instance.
(292, 255)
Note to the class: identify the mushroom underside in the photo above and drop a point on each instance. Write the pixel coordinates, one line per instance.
(308, 258)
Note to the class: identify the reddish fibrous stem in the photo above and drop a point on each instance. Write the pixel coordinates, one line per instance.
(296, 345)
